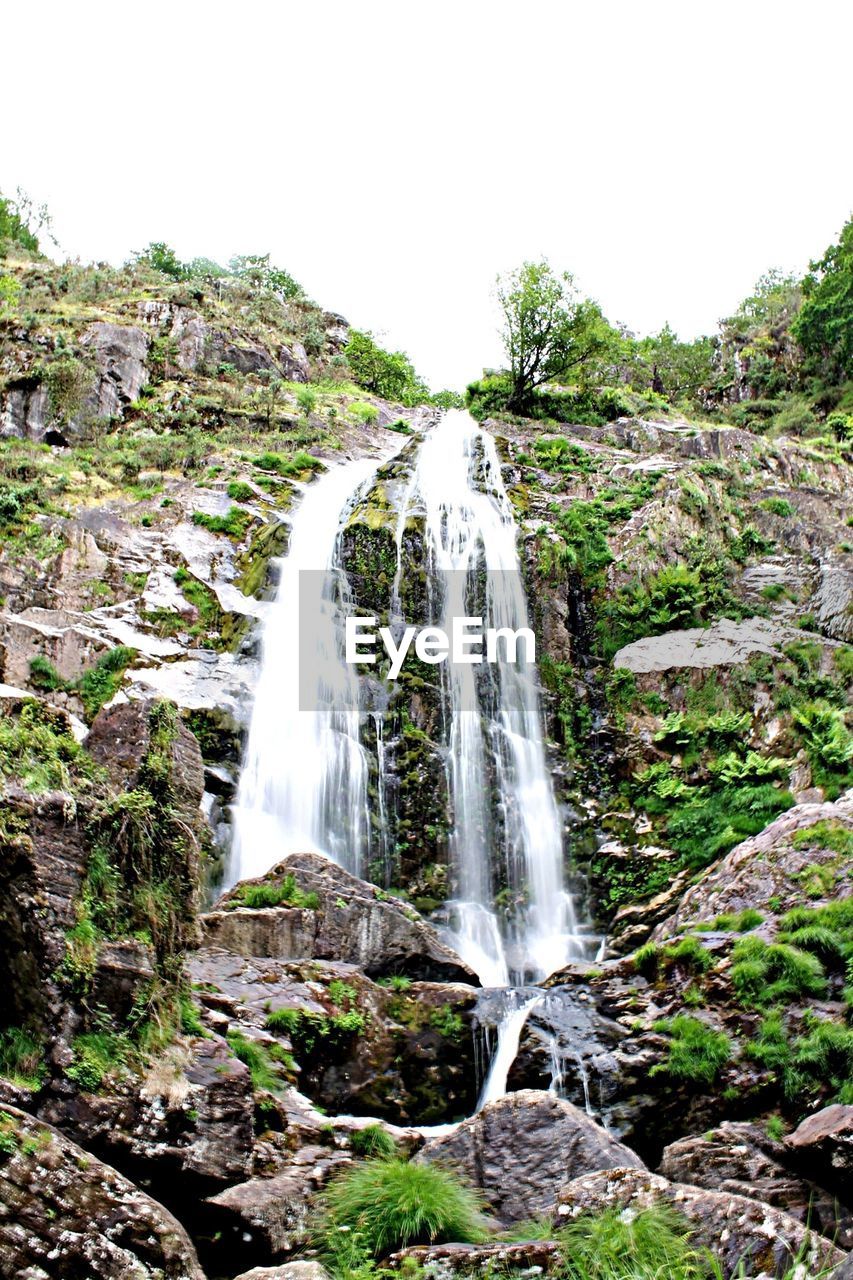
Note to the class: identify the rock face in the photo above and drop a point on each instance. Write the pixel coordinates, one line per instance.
(823, 1144)
(64, 1214)
(120, 352)
(742, 1160)
(740, 1231)
(527, 1258)
(354, 922)
(287, 1271)
(520, 1149)
(724, 643)
(763, 868)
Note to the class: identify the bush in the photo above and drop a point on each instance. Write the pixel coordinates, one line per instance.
(364, 412)
(239, 491)
(97, 685)
(22, 1057)
(373, 1142)
(96, 1055)
(262, 1062)
(293, 466)
(778, 506)
(766, 973)
(389, 374)
(306, 398)
(234, 523)
(696, 1053)
(619, 1244)
(44, 675)
(377, 1207)
(280, 893)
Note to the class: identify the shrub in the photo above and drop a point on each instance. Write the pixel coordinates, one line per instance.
(738, 922)
(97, 685)
(377, 1207)
(763, 973)
(44, 675)
(373, 1142)
(696, 1052)
(306, 398)
(22, 1057)
(293, 466)
(364, 412)
(618, 1244)
(280, 893)
(234, 523)
(828, 742)
(239, 491)
(260, 1061)
(778, 506)
(96, 1054)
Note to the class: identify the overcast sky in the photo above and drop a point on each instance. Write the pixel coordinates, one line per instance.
(395, 154)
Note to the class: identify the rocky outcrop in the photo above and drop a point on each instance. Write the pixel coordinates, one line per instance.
(520, 1149)
(354, 922)
(746, 1235)
(287, 1271)
(120, 353)
(740, 1159)
(723, 643)
(759, 870)
(64, 1214)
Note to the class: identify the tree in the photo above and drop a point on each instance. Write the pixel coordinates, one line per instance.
(550, 333)
(22, 221)
(162, 257)
(389, 374)
(824, 325)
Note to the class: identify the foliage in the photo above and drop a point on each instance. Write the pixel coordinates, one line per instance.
(825, 835)
(37, 749)
(550, 333)
(96, 1055)
(645, 1244)
(294, 466)
(21, 222)
(824, 325)
(373, 1142)
(239, 491)
(697, 1052)
(389, 374)
(233, 524)
(829, 744)
(281, 893)
(738, 922)
(97, 685)
(379, 1206)
(264, 1070)
(765, 973)
(22, 1057)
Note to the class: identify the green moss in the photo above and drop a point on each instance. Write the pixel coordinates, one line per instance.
(234, 524)
(278, 893)
(22, 1057)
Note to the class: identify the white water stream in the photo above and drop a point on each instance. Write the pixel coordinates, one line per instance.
(304, 782)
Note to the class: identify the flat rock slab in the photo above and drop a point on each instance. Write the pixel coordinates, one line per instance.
(723, 644)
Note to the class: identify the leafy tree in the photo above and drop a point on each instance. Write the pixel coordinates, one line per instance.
(256, 270)
(389, 374)
(22, 221)
(675, 369)
(162, 257)
(824, 324)
(550, 333)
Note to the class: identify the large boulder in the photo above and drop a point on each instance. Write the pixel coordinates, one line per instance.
(746, 1235)
(190, 1117)
(739, 1158)
(64, 1214)
(520, 1149)
(822, 1145)
(353, 922)
(120, 353)
(287, 1271)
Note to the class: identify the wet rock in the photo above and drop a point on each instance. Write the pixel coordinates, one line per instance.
(408, 1057)
(742, 1160)
(823, 1145)
(287, 1271)
(354, 922)
(524, 1258)
(190, 1117)
(520, 1149)
(63, 1213)
(25, 410)
(267, 1219)
(742, 1232)
(723, 643)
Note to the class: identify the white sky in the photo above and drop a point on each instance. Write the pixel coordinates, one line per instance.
(395, 154)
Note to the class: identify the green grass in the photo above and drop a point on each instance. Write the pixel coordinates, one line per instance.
(766, 973)
(239, 491)
(281, 893)
(686, 953)
(737, 922)
(265, 1065)
(623, 1244)
(96, 1055)
(379, 1206)
(372, 1142)
(825, 835)
(697, 1053)
(22, 1057)
(296, 465)
(97, 685)
(36, 749)
(233, 524)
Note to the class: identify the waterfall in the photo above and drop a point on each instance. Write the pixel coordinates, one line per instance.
(304, 780)
(510, 1027)
(492, 717)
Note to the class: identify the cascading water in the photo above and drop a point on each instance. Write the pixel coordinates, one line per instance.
(304, 780)
(492, 717)
(304, 783)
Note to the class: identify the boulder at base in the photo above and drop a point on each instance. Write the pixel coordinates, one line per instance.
(64, 1214)
(520, 1150)
(747, 1236)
